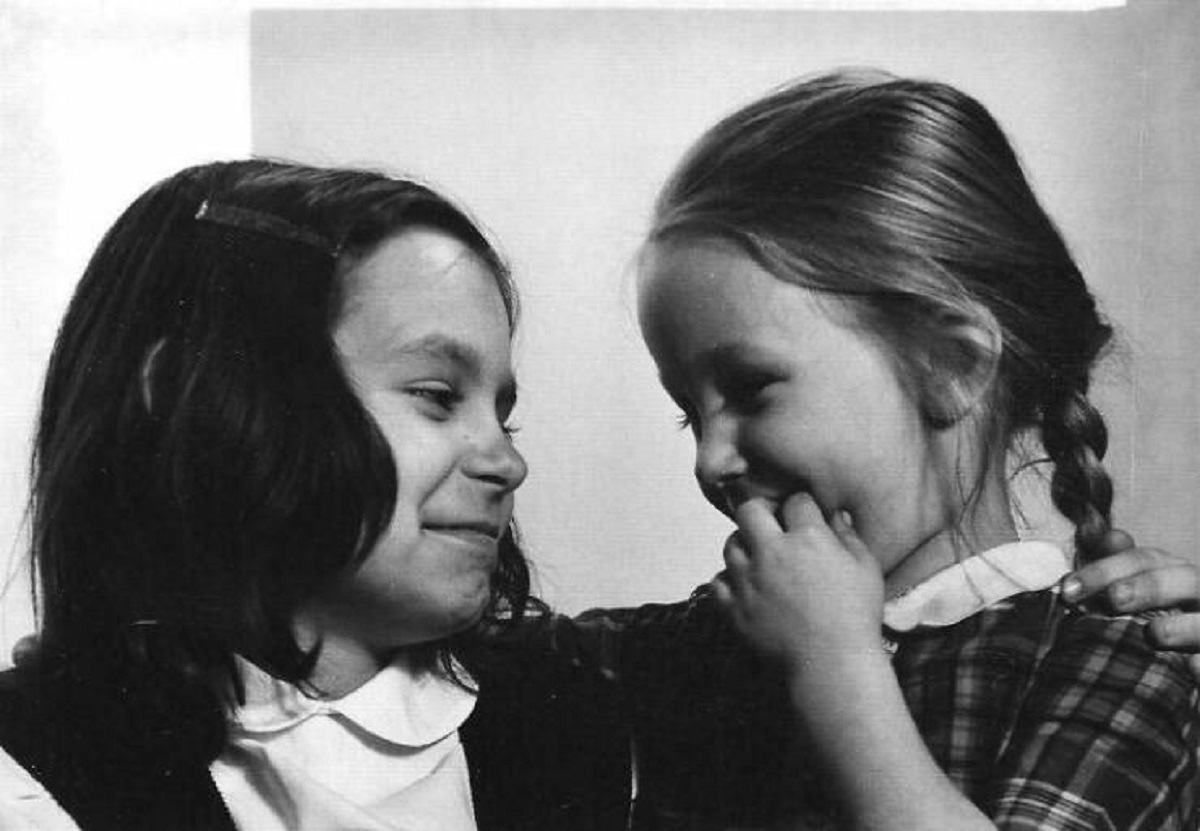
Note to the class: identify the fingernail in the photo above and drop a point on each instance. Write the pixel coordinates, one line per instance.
(845, 517)
(1072, 589)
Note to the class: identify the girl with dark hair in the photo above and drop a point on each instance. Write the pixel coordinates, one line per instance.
(862, 310)
(272, 514)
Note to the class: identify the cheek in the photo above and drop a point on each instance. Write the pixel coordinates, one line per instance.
(789, 441)
(424, 458)
(841, 462)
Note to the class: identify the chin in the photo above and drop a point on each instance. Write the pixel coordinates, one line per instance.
(468, 614)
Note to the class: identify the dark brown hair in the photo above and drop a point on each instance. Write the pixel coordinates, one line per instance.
(202, 465)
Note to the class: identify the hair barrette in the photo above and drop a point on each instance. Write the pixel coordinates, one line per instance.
(259, 222)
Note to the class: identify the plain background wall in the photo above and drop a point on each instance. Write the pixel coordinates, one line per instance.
(556, 127)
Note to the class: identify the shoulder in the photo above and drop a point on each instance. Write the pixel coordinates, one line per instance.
(25, 704)
(1106, 731)
(1103, 685)
(1111, 659)
(1036, 633)
(1046, 655)
(982, 662)
(25, 801)
(37, 751)
(81, 746)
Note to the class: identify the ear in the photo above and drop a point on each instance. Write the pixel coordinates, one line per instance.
(147, 374)
(959, 364)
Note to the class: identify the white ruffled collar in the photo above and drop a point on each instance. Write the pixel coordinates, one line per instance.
(401, 705)
(972, 585)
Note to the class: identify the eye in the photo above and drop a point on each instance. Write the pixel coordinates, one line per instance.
(506, 403)
(439, 398)
(746, 392)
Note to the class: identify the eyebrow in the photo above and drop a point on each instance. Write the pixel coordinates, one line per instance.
(463, 355)
(722, 359)
(733, 353)
(446, 348)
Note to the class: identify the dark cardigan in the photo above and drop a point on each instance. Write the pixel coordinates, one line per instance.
(534, 763)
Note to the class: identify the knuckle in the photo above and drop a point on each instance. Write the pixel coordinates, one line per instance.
(808, 533)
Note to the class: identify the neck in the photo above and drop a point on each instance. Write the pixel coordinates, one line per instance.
(985, 524)
(344, 664)
(340, 671)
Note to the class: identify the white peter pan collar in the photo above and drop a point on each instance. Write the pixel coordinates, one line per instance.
(974, 584)
(401, 705)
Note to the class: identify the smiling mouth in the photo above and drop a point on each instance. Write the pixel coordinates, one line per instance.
(477, 532)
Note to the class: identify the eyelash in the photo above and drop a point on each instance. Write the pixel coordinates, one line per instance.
(743, 396)
(446, 398)
(746, 394)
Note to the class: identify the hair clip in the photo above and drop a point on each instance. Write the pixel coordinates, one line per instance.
(258, 222)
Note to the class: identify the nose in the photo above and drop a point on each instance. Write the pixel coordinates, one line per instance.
(719, 464)
(494, 459)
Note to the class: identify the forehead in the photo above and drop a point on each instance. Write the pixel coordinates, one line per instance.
(707, 307)
(419, 281)
(693, 293)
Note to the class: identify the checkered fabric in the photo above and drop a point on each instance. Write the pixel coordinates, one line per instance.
(1045, 716)
(1048, 717)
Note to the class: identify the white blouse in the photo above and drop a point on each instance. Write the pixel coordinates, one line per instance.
(386, 757)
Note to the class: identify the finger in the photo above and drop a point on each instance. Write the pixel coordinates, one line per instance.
(1114, 541)
(737, 558)
(1176, 585)
(843, 525)
(756, 520)
(799, 510)
(722, 592)
(1194, 666)
(1179, 633)
(1099, 575)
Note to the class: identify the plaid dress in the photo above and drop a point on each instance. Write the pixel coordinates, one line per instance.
(1047, 717)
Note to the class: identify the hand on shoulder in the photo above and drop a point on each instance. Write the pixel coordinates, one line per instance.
(1131, 578)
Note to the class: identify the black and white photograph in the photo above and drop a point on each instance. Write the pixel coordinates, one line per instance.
(489, 416)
